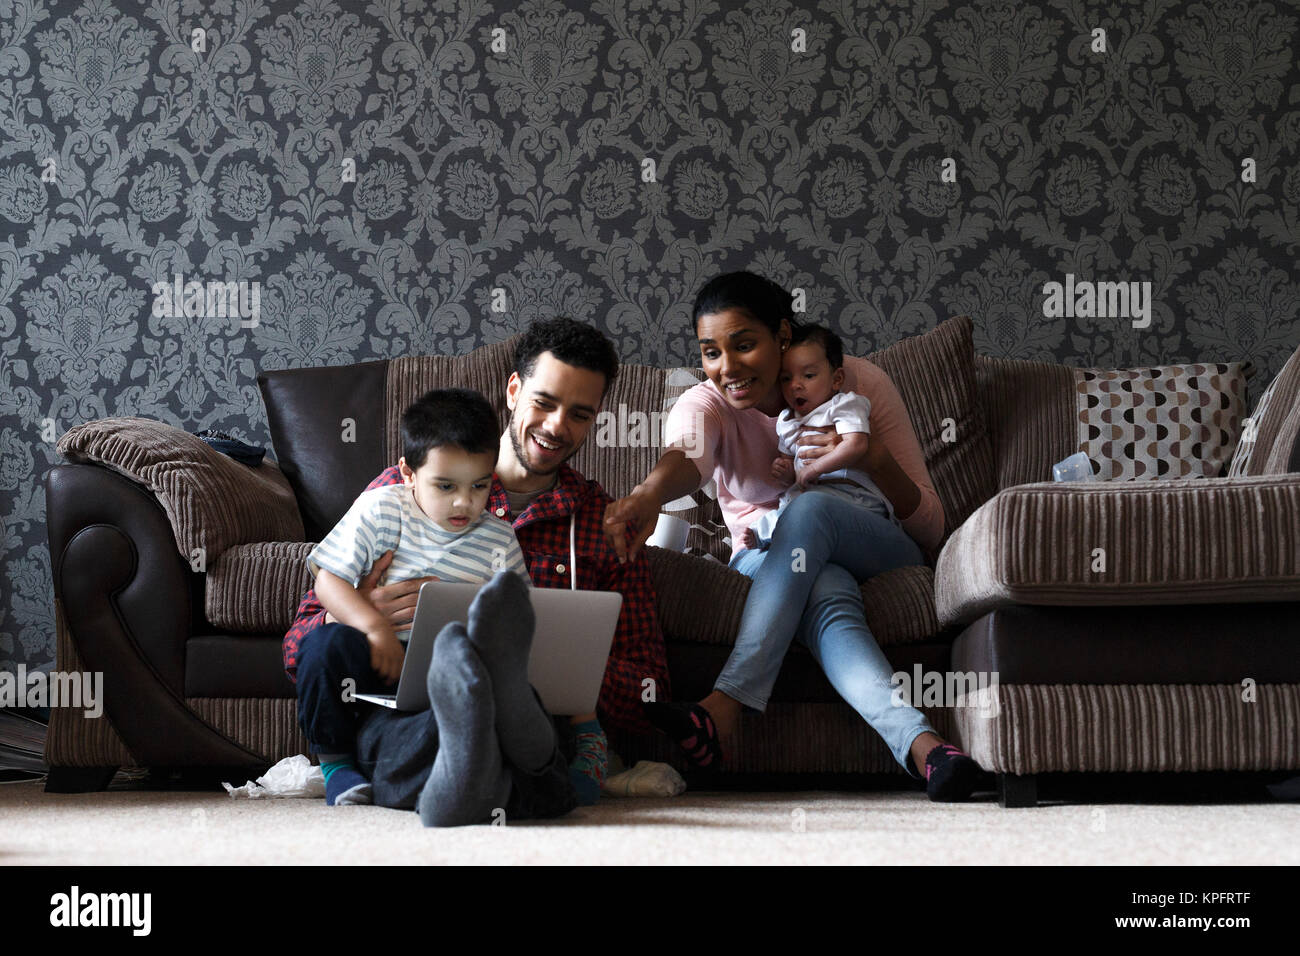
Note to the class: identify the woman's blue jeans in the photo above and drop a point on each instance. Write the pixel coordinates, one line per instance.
(805, 585)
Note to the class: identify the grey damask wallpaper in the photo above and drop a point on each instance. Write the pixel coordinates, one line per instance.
(378, 169)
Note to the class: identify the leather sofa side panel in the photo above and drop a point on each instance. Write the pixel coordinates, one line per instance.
(126, 597)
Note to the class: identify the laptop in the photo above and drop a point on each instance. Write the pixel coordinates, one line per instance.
(571, 642)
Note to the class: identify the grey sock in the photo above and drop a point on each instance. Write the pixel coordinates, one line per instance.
(468, 780)
(501, 630)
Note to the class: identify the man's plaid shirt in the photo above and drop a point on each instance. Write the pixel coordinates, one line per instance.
(543, 533)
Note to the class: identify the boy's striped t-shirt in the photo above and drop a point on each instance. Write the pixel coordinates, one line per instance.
(389, 518)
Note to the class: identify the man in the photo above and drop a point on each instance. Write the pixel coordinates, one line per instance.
(563, 369)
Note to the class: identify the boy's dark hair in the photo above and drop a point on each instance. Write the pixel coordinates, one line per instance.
(828, 340)
(760, 298)
(449, 416)
(572, 342)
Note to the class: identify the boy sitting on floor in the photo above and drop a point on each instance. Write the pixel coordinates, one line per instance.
(435, 523)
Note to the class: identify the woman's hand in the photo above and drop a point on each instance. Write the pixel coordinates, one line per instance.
(638, 512)
(816, 443)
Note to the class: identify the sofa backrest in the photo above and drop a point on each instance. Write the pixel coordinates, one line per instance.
(934, 373)
(334, 429)
(1033, 414)
(1030, 407)
(329, 431)
(624, 442)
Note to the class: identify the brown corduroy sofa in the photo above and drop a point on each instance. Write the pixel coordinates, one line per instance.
(177, 571)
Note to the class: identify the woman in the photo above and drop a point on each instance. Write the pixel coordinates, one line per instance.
(805, 584)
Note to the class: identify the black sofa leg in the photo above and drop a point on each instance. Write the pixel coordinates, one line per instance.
(1015, 791)
(78, 779)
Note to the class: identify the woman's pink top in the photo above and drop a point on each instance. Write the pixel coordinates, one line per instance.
(736, 449)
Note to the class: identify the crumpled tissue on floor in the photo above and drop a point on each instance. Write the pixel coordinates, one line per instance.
(291, 777)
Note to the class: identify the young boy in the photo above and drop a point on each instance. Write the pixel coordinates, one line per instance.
(435, 523)
(812, 375)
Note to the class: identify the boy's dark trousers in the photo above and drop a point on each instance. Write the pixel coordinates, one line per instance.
(327, 657)
(393, 749)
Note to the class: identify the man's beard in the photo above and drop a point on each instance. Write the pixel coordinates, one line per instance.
(524, 460)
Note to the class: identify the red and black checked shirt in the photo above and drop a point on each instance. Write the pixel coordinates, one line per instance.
(543, 533)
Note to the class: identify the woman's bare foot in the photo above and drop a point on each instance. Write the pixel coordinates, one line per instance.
(921, 748)
(725, 712)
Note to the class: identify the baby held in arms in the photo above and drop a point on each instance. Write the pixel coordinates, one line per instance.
(812, 376)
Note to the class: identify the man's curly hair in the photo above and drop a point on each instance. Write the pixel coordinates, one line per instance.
(572, 342)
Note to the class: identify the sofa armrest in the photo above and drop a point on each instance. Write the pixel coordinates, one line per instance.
(212, 502)
(125, 595)
(1204, 541)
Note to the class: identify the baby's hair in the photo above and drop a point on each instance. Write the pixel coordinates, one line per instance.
(449, 416)
(828, 340)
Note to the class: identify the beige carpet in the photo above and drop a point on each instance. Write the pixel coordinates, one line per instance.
(134, 827)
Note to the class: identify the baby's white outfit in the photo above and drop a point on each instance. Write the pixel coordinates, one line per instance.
(848, 412)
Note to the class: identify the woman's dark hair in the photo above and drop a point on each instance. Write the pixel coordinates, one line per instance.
(449, 416)
(761, 299)
(828, 340)
(572, 342)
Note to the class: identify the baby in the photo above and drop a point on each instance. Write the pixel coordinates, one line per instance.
(812, 375)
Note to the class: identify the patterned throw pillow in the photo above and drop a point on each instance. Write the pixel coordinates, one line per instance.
(1172, 421)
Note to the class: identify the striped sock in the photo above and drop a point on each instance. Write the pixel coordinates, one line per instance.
(344, 784)
(587, 772)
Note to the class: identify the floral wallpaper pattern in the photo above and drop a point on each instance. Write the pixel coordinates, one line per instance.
(604, 159)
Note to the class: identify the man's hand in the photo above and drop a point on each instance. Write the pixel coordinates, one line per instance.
(783, 469)
(386, 653)
(637, 511)
(396, 602)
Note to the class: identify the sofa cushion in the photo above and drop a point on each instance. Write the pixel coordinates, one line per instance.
(935, 375)
(701, 601)
(1219, 540)
(212, 501)
(1170, 421)
(328, 429)
(255, 588)
(1272, 441)
(1031, 414)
